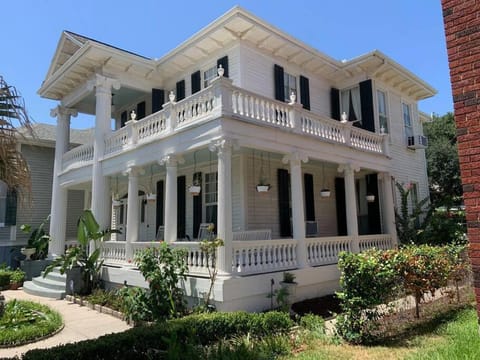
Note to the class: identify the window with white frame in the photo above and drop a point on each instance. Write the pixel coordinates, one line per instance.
(290, 85)
(3, 203)
(407, 121)
(382, 111)
(209, 75)
(211, 196)
(350, 103)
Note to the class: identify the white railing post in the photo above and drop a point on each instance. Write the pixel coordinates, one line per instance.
(131, 131)
(294, 115)
(170, 116)
(223, 91)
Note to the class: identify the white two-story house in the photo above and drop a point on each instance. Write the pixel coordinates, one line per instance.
(190, 139)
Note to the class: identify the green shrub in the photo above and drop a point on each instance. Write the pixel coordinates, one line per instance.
(5, 276)
(313, 323)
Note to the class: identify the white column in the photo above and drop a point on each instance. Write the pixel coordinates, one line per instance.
(388, 206)
(223, 148)
(351, 204)
(298, 212)
(132, 210)
(58, 210)
(171, 162)
(103, 114)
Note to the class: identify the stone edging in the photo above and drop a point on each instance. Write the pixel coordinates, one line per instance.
(96, 307)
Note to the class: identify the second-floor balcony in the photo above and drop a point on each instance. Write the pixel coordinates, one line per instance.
(223, 100)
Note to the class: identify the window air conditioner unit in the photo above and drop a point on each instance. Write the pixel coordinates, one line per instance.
(417, 142)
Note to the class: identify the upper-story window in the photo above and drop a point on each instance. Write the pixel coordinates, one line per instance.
(407, 121)
(290, 85)
(350, 103)
(209, 75)
(211, 197)
(382, 111)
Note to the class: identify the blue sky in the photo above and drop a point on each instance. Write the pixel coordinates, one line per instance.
(409, 31)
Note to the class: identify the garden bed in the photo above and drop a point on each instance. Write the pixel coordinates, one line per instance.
(325, 306)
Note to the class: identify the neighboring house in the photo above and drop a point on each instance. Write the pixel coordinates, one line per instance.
(38, 149)
(237, 105)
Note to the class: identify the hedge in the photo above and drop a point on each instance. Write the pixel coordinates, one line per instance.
(156, 341)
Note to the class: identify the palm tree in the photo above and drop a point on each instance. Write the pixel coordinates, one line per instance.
(13, 167)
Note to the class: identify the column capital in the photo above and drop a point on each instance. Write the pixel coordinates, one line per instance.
(222, 145)
(295, 158)
(348, 168)
(103, 83)
(133, 170)
(384, 175)
(62, 111)
(171, 160)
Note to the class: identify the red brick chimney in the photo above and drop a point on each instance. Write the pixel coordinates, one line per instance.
(462, 29)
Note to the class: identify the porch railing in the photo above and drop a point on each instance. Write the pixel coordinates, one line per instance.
(382, 242)
(221, 98)
(325, 250)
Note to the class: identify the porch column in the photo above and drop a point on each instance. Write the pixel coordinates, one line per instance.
(351, 203)
(132, 210)
(101, 203)
(298, 213)
(388, 206)
(223, 148)
(171, 162)
(58, 218)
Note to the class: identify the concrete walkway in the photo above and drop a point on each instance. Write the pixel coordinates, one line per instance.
(81, 323)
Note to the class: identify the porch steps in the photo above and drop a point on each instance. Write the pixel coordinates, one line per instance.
(52, 286)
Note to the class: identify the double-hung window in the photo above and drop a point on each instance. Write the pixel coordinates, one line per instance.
(211, 189)
(407, 122)
(290, 85)
(382, 111)
(209, 75)
(350, 103)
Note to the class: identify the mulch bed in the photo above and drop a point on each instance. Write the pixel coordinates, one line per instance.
(325, 306)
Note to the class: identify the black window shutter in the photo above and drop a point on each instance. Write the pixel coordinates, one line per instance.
(341, 206)
(335, 103)
(284, 202)
(309, 197)
(141, 110)
(123, 118)
(158, 99)
(181, 206)
(196, 82)
(180, 90)
(197, 205)
(11, 210)
(159, 209)
(304, 92)
(373, 207)
(366, 100)
(224, 62)
(279, 82)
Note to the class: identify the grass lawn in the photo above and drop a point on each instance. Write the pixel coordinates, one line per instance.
(452, 335)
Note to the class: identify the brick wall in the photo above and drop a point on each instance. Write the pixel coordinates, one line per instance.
(462, 30)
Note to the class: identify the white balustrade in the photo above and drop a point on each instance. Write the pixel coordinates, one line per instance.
(325, 250)
(150, 126)
(256, 107)
(194, 107)
(323, 128)
(263, 256)
(113, 252)
(117, 141)
(366, 140)
(381, 242)
(78, 155)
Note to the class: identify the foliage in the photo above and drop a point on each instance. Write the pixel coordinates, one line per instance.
(442, 161)
(163, 267)
(410, 224)
(209, 248)
(88, 234)
(376, 277)
(17, 276)
(38, 239)
(13, 166)
(281, 298)
(24, 321)
(288, 277)
(313, 323)
(445, 226)
(108, 298)
(166, 340)
(5, 276)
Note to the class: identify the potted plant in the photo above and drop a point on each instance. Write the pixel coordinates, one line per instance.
(288, 283)
(325, 193)
(36, 250)
(262, 186)
(194, 189)
(82, 265)
(17, 277)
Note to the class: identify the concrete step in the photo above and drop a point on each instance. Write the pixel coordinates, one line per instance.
(55, 275)
(31, 288)
(49, 283)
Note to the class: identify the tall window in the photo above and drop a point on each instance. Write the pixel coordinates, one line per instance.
(350, 103)
(407, 121)
(209, 75)
(211, 188)
(3, 203)
(290, 85)
(382, 111)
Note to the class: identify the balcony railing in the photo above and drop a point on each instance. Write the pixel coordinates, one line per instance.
(258, 256)
(223, 99)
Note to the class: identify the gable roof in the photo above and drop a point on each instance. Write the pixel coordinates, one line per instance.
(46, 133)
